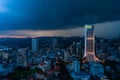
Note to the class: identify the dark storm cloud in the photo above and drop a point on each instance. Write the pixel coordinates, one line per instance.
(57, 14)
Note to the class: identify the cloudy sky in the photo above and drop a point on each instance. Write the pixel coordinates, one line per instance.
(23, 18)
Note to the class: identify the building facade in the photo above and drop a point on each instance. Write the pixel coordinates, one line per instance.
(35, 45)
(89, 52)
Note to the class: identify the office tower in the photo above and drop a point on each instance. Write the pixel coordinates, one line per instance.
(89, 52)
(35, 45)
(73, 49)
(22, 58)
(54, 43)
(96, 69)
(78, 46)
(66, 55)
(76, 66)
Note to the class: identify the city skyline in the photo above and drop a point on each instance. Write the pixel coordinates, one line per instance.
(59, 39)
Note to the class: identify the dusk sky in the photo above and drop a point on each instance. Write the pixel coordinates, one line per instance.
(23, 18)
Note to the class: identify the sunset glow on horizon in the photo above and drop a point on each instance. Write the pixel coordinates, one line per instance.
(111, 30)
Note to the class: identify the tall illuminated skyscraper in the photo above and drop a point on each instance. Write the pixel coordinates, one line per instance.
(89, 52)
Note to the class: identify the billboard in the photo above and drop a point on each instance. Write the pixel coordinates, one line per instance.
(88, 26)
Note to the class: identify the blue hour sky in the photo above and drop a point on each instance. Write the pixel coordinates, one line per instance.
(58, 17)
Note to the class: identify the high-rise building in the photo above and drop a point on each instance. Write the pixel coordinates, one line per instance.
(96, 69)
(76, 65)
(89, 52)
(54, 43)
(66, 55)
(22, 58)
(78, 46)
(73, 47)
(75, 73)
(35, 45)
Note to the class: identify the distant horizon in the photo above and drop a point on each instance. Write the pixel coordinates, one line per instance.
(20, 37)
(106, 30)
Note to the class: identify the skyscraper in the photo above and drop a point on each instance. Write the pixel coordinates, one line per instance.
(89, 52)
(78, 46)
(35, 45)
(76, 65)
(54, 43)
(66, 55)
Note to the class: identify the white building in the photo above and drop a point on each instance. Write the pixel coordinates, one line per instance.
(44, 66)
